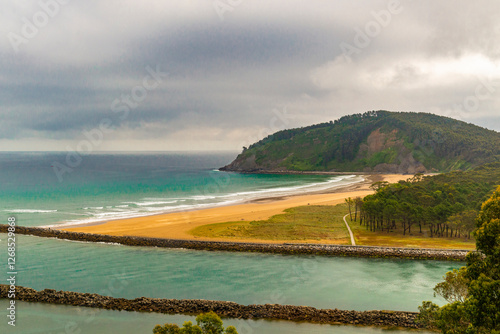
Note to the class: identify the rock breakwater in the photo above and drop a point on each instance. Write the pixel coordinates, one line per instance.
(222, 308)
(293, 249)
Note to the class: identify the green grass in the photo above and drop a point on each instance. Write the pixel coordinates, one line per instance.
(386, 156)
(322, 223)
(300, 224)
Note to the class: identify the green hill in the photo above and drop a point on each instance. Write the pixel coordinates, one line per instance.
(376, 141)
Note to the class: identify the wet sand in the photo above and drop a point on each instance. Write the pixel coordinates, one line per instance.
(177, 225)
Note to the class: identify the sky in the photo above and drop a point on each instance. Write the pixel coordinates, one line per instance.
(221, 74)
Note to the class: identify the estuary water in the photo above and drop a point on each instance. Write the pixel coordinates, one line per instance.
(36, 318)
(130, 272)
(105, 186)
(245, 278)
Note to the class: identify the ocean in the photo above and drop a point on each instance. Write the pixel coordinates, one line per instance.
(118, 185)
(111, 185)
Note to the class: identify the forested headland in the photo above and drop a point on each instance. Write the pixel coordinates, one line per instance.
(375, 141)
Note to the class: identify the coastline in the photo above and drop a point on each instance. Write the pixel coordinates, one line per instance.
(177, 225)
(258, 196)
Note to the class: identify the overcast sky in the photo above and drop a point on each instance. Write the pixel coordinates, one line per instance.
(217, 75)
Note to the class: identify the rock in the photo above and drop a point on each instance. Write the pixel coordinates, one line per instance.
(311, 249)
(225, 309)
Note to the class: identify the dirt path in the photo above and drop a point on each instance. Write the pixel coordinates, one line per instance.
(353, 242)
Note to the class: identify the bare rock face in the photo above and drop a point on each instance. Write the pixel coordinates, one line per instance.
(411, 166)
(378, 141)
(247, 164)
(405, 163)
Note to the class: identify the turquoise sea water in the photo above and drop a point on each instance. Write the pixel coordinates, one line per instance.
(112, 185)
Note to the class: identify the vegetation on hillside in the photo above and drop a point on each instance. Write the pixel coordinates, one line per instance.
(473, 292)
(374, 141)
(207, 323)
(444, 205)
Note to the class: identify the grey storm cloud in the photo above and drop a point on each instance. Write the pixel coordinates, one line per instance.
(226, 75)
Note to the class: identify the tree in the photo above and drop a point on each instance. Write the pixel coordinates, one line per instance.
(358, 203)
(477, 310)
(206, 323)
(464, 221)
(210, 323)
(416, 178)
(166, 329)
(484, 271)
(379, 185)
(349, 202)
(231, 330)
(454, 288)
(188, 328)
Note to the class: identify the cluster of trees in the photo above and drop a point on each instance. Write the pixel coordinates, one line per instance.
(473, 292)
(444, 205)
(207, 323)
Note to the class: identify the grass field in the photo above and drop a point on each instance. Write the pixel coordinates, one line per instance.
(322, 223)
(300, 224)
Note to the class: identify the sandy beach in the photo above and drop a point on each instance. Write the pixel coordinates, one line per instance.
(177, 225)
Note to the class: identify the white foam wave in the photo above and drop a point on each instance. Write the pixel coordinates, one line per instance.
(85, 242)
(29, 211)
(203, 197)
(152, 203)
(337, 181)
